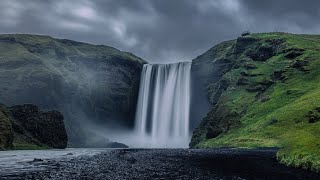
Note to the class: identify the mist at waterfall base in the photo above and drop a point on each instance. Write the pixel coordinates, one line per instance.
(163, 109)
(162, 115)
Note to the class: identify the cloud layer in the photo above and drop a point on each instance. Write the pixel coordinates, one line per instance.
(158, 31)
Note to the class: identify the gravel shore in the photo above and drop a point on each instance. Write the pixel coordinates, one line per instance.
(167, 164)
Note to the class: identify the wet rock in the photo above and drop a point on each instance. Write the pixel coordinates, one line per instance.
(246, 33)
(37, 160)
(43, 127)
(117, 145)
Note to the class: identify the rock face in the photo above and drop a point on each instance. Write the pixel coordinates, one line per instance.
(92, 85)
(117, 145)
(41, 127)
(206, 71)
(26, 127)
(6, 131)
(263, 91)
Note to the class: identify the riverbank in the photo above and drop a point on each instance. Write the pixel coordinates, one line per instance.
(165, 164)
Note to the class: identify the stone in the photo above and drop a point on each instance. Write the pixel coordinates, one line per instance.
(117, 145)
(37, 160)
(245, 33)
(46, 128)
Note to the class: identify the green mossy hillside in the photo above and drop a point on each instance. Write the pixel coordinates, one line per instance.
(94, 85)
(267, 96)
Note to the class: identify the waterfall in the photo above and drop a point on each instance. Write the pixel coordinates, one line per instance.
(162, 116)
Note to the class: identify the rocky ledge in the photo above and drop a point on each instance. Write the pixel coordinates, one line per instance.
(27, 127)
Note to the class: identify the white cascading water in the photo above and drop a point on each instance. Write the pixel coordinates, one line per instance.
(162, 116)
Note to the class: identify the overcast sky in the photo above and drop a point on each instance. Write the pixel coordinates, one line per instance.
(159, 31)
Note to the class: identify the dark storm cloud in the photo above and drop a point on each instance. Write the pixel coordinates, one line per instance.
(284, 15)
(157, 30)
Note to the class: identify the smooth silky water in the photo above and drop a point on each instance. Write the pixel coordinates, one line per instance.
(162, 116)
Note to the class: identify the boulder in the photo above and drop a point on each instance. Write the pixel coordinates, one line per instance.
(117, 145)
(45, 128)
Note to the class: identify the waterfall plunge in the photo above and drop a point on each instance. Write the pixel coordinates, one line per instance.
(162, 116)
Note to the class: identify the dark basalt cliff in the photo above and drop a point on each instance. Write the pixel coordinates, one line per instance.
(26, 127)
(92, 85)
(263, 91)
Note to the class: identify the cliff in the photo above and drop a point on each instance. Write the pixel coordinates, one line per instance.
(92, 85)
(264, 91)
(27, 127)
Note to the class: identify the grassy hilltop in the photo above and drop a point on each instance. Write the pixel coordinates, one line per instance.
(265, 93)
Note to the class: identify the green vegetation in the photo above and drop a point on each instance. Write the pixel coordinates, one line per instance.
(272, 98)
(89, 83)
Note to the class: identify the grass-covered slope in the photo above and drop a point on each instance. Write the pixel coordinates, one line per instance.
(92, 85)
(267, 94)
